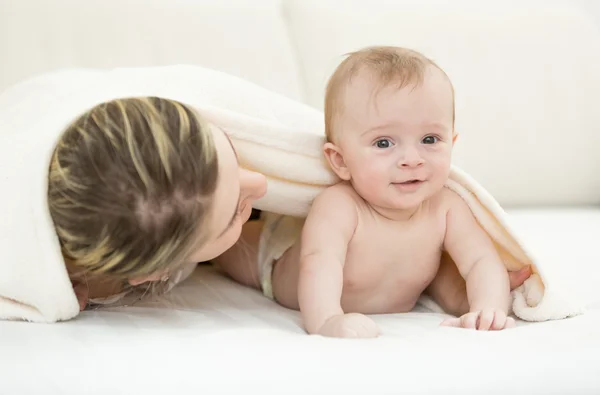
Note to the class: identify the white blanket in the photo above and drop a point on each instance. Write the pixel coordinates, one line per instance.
(274, 135)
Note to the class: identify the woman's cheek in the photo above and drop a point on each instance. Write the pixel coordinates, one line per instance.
(231, 237)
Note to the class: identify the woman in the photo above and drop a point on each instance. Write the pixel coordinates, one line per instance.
(141, 189)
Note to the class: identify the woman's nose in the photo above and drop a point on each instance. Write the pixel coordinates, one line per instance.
(253, 184)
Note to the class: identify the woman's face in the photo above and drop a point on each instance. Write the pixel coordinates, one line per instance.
(237, 189)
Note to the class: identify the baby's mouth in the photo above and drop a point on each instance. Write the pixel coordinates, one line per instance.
(408, 185)
(409, 182)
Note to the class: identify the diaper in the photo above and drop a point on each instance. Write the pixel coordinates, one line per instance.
(278, 234)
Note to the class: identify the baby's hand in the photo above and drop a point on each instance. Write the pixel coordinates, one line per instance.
(352, 325)
(482, 320)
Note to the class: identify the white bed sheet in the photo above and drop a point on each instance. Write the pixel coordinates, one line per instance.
(210, 336)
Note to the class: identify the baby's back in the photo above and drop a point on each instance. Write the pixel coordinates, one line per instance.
(390, 263)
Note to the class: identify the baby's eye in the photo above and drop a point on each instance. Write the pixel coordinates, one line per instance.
(383, 143)
(430, 140)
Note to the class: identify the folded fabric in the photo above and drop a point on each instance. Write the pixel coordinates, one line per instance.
(272, 134)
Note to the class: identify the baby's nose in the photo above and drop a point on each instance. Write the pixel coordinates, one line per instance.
(411, 158)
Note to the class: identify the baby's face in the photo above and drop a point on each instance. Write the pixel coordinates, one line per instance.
(397, 143)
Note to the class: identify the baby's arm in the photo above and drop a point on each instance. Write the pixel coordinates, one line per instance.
(488, 286)
(327, 232)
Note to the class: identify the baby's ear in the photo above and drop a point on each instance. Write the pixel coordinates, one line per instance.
(454, 137)
(336, 161)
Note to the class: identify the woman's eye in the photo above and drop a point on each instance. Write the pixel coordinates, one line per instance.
(383, 143)
(430, 140)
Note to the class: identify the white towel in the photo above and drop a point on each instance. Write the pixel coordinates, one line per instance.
(274, 135)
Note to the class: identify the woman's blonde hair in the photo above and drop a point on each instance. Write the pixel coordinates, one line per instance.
(130, 186)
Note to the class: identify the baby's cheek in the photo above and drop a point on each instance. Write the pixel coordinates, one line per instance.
(373, 180)
(442, 167)
(377, 173)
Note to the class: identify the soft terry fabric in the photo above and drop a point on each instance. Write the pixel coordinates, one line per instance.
(273, 135)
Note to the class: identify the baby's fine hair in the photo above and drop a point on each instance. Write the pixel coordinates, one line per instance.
(130, 186)
(387, 64)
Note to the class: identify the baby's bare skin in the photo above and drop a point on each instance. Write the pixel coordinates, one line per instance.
(389, 264)
(380, 265)
(374, 243)
(391, 230)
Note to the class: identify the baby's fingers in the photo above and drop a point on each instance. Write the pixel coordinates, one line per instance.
(510, 323)
(373, 329)
(466, 321)
(469, 320)
(502, 321)
(486, 319)
(499, 321)
(452, 322)
(361, 326)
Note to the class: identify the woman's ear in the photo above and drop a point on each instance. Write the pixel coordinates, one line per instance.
(336, 161)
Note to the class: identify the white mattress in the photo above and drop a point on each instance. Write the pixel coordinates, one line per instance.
(210, 336)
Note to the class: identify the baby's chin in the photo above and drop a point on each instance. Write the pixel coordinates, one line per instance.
(404, 202)
(392, 203)
(406, 205)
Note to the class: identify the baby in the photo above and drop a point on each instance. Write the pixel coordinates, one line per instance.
(373, 243)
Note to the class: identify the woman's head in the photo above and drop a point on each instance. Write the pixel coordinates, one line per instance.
(141, 186)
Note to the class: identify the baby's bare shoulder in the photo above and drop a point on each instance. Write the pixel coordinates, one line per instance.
(450, 200)
(335, 206)
(455, 207)
(340, 195)
(332, 218)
